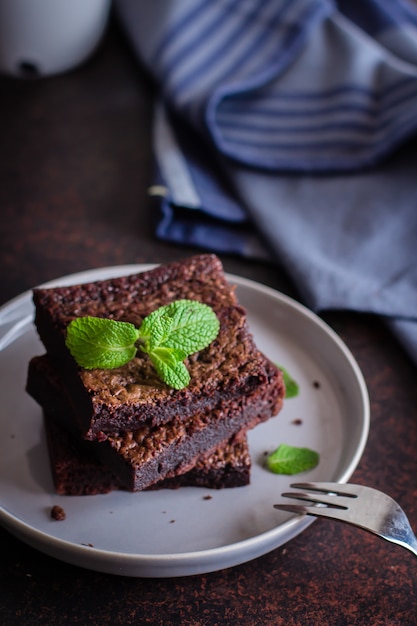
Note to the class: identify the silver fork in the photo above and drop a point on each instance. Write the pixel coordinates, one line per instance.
(360, 506)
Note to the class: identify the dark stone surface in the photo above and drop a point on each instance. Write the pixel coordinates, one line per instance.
(75, 166)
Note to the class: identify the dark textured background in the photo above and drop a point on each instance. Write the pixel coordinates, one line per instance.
(75, 167)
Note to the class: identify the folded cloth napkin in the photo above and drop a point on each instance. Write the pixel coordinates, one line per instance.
(285, 130)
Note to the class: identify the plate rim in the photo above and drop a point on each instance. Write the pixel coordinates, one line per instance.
(159, 565)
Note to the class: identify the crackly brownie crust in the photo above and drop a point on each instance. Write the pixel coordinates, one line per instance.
(142, 457)
(76, 472)
(124, 398)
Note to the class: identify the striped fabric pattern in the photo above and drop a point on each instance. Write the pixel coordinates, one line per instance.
(296, 85)
(269, 111)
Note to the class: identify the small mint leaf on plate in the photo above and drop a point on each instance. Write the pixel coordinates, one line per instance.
(292, 460)
(96, 342)
(291, 386)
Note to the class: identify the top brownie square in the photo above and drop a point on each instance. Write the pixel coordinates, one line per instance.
(114, 400)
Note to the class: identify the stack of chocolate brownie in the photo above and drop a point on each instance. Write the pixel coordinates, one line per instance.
(124, 428)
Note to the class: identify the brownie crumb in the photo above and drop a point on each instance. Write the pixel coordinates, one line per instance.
(207, 497)
(316, 384)
(58, 513)
(297, 421)
(172, 521)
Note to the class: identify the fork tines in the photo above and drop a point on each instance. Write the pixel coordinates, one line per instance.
(327, 497)
(326, 488)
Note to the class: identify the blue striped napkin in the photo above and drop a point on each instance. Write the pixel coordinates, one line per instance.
(285, 129)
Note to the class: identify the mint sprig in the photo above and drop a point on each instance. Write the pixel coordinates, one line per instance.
(168, 335)
(292, 460)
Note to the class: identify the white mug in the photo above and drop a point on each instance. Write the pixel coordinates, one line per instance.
(43, 37)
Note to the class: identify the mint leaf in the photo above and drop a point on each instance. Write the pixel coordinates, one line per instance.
(292, 460)
(188, 326)
(154, 329)
(155, 335)
(169, 368)
(291, 386)
(101, 343)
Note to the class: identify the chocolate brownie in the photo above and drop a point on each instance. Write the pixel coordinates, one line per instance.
(76, 472)
(107, 401)
(150, 453)
(228, 466)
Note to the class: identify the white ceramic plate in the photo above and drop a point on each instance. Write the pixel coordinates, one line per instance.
(178, 533)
